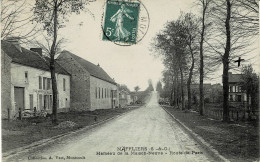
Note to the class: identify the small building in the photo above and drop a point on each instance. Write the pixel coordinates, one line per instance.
(236, 95)
(124, 96)
(139, 97)
(26, 81)
(91, 87)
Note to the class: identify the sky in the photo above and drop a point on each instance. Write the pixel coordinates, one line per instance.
(130, 65)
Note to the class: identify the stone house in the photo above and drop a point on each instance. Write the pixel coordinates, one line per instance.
(236, 95)
(91, 87)
(26, 81)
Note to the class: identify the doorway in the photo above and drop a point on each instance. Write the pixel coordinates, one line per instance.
(19, 97)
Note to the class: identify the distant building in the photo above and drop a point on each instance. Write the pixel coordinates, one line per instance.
(124, 96)
(236, 95)
(139, 97)
(91, 87)
(26, 81)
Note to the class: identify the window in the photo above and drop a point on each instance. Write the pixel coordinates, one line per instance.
(51, 102)
(64, 84)
(98, 92)
(230, 89)
(102, 92)
(40, 101)
(26, 75)
(31, 101)
(239, 98)
(40, 82)
(48, 83)
(239, 88)
(44, 82)
(230, 97)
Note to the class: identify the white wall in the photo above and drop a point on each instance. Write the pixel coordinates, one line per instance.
(31, 85)
(101, 103)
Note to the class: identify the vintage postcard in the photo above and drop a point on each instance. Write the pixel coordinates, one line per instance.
(129, 80)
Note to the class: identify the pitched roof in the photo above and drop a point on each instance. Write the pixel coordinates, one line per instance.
(123, 88)
(29, 58)
(234, 78)
(93, 69)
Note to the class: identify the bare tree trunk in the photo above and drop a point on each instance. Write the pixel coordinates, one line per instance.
(226, 64)
(189, 79)
(182, 91)
(177, 88)
(172, 92)
(52, 69)
(201, 108)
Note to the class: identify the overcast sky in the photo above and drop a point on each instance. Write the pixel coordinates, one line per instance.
(130, 65)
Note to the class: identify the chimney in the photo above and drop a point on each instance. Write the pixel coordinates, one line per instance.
(15, 41)
(38, 50)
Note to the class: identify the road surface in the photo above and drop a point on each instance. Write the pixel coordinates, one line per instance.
(146, 134)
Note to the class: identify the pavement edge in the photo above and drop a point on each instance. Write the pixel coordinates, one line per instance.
(47, 141)
(206, 146)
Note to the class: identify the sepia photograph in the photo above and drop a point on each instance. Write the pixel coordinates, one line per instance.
(130, 80)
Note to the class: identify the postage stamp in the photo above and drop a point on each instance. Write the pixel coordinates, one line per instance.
(121, 21)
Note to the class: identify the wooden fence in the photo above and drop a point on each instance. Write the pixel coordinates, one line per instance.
(235, 114)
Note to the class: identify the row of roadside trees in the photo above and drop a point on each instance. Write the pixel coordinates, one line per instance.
(197, 44)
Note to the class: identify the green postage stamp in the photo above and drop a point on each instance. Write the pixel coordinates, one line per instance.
(121, 21)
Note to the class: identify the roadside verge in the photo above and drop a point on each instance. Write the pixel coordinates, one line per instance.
(206, 146)
(47, 141)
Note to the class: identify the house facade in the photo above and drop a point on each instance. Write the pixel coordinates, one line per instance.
(26, 81)
(91, 87)
(236, 95)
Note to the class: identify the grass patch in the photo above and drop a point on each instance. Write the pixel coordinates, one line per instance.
(237, 141)
(16, 133)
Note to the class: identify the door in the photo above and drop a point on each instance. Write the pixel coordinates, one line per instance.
(40, 101)
(31, 101)
(19, 97)
(46, 102)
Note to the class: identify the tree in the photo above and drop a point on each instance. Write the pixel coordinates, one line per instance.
(226, 27)
(225, 62)
(171, 44)
(16, 20)
(250, 84)
(150, 85)
(137, 88)
(159, 87)
(205, 6)
(191, 23)
(52, 15)
(248, 16)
